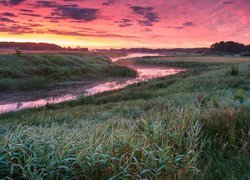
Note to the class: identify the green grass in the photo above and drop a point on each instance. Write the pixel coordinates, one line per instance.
(191, 125)
(31, 71)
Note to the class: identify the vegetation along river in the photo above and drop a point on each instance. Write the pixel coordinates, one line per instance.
(32, 99)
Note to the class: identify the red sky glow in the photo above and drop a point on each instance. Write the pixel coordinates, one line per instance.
(125, 23)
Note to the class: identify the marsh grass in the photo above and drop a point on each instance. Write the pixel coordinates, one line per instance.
(193, 125)
(148, 148)
(23, 84)
(32, 71)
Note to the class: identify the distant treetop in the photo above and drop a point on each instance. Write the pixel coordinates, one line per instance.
(230, 47)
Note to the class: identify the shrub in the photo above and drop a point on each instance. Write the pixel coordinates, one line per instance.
(233, 70)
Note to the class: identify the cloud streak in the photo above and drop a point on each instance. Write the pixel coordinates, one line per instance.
(150, 17)
(16, 2)
(184, 25)
(81, 14)
(117, 23)
(6, 20)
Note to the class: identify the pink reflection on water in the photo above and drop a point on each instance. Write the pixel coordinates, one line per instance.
(135, 55)
(17, 106)
(144, 74)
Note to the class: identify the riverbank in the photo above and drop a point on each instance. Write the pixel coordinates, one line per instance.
(16, 101)
(36, 71)
(194, 124)
(67, 90)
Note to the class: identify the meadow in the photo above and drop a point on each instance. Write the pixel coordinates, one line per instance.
(33, 71)
(192, 125)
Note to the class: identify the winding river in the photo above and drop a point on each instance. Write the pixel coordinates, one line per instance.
(25, 100)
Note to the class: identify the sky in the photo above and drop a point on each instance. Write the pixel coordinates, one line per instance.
(125, 23)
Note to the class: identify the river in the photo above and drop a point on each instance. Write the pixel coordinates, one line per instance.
(25, 100)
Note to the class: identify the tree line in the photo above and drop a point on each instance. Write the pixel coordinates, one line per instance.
(230, 47)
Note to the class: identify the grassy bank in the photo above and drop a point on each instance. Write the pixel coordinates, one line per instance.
(39, 70)
(191, 125)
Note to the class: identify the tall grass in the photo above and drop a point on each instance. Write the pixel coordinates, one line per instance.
(233, 70)
(31, 71)
(23, 84)
(194, 125)
(146, 148)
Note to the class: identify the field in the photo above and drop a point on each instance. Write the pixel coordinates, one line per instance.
(33, 71)
(192, 125)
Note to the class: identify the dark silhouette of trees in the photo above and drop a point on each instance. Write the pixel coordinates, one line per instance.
(36, 46)
(247, 48)
(229, 47)
(30, 46)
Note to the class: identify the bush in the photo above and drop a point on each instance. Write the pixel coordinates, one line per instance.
(233, 70)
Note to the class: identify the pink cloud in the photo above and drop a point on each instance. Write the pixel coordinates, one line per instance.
(158, 23)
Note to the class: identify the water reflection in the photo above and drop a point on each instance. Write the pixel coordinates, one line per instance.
(33, 104)
(135, 55)
(144, 74)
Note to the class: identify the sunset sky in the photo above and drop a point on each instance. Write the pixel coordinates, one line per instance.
(125, 23)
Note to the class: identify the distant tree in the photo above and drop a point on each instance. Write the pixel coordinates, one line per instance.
(233, 47)
(218, 46)
(228, 47)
